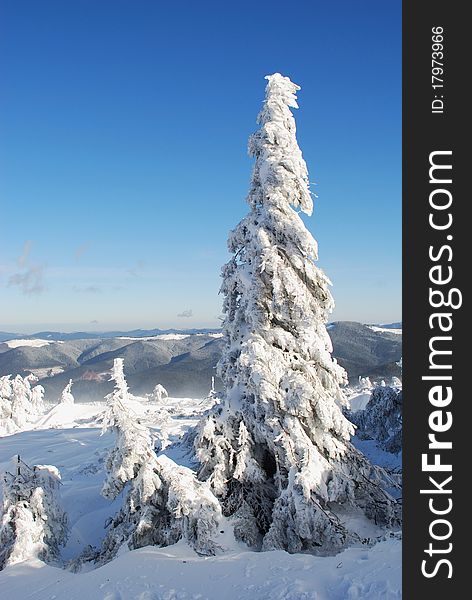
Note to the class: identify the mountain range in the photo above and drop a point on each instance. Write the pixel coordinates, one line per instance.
(183, 361)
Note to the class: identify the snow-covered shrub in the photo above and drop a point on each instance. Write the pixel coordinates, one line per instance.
(37, 394)
(163, 421)
(365, 383)
(5, 387)
(159, 393)
(163, 502)
(277, 450)
(33, 524)
(22, 406)
(381, 419)
(20, 403)
(162, 416)
(66, 394)
(7, 424)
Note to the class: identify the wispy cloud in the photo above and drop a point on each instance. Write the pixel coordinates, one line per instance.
(80, 251)
(23, 259)
(186, 314)
(30, 279)
(87, 289)
(135, 271)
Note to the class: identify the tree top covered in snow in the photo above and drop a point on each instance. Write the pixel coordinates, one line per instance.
(281, 175)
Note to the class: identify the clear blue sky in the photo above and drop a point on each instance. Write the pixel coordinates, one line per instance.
(124, 129)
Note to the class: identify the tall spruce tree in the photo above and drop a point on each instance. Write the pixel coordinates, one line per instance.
(277, 449)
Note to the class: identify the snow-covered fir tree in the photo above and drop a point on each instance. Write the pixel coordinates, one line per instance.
(381, 420)
(5, 387)
(162, 415)
(33, 523)
(163, 421)
(37, 399)
(22, 407)
(7, 425)
(163, 502)
(20, 403)
(34, 394)
(66, 394)
(133, 441)
(277, 450)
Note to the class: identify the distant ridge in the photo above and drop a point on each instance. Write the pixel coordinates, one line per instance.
(5, 336)
(183, 360)
(58, 336)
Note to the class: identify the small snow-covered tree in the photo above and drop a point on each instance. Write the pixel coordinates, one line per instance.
(277, 449)
(66, 395)
(33, 523)
(133, 440)
(162, 415)
(6, 422)
(163, 501)
(159, 393)
(22, 408)
(5, 387)
(365, 383)
(163, 420)
(37, 399)
(207, 403)
(20, 403)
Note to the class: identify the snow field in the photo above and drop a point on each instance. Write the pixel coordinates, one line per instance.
(174, 573)
(69, 436)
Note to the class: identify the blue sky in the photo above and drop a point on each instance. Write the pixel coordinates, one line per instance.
(123, 160)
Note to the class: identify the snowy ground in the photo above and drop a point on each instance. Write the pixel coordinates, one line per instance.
(174, 573)
(386, 329)
(69, 437)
